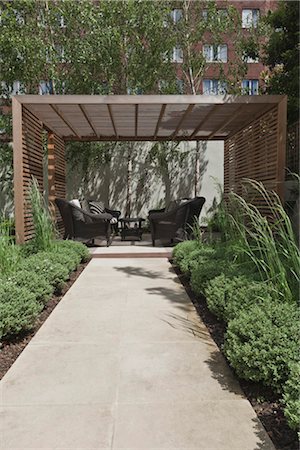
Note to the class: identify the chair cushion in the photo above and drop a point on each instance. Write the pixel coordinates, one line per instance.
(97, 207)
(77, 215)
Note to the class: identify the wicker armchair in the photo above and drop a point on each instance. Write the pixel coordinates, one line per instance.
(176, 223)
(82, 225)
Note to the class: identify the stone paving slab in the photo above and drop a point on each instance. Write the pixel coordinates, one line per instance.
(124, 362)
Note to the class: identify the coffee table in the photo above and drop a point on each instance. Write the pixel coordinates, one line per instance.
(131, 227)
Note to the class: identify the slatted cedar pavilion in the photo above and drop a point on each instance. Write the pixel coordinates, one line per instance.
(253, 129)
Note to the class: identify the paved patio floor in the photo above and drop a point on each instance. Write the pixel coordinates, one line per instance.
(123, 362)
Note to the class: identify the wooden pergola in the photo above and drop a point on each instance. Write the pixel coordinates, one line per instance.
(253, 129)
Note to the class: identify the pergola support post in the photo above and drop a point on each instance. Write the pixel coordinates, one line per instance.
(18, 170)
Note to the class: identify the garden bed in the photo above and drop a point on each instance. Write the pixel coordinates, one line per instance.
(264, 400)
(12, 347)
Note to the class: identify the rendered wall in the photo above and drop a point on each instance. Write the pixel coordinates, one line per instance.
(151, 189)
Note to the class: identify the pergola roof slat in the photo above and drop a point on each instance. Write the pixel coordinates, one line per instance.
(146, 117)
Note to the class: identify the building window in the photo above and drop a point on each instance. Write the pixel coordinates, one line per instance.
(250, 87)
(16, 88)
(176, 15)
(177, 56)
(45, 87)
(214, 87)
(250, 18)
(215, 53)
(249, 59)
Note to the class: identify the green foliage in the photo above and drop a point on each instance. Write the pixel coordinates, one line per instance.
(43, 226)
(269, 244)
(205, 269)
(47, 265)
(195, 257)
(68, 257)
(184, 248)
(262, 342)
(79, 248)
(18, 309)
(282, 54)
(291, 397)
(34, 282)
(9, 251)
(226, 296)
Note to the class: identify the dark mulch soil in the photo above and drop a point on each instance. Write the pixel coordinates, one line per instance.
(11, 349)
(264, 401)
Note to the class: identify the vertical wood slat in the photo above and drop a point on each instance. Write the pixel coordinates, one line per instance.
(28, 163)
(56, 175)
(18, 170)
(257, 152)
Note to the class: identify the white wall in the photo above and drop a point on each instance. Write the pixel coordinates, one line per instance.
(148, 188)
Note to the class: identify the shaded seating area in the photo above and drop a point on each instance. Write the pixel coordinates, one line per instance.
(253, 129)
(175, 222)
(80, 224)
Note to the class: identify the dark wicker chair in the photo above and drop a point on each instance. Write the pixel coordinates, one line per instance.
(114, 212)
(82, 225)
(175, 224)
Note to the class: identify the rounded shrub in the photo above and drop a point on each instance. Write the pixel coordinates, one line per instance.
(79, 248)
(66, 256)
(34, 283)
(262, 342)
(198, 255)
(291, 397)
(227, 296)
(48, 267)
(18, 309)
(183, 248)
(204, 270)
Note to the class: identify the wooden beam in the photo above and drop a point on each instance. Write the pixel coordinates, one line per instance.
(197, 129)
(112, 120)
(19, 199)
(88, 119)
(147, 99)
(56, 110)
(138, 139)
(136, 119)
(183, 117)
(162, 111)
(227, 122)
(281, 147)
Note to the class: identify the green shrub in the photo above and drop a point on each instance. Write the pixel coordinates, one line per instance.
(291, 397)
(35, 283)
(67, 257)
(46, 265)
(262, 342)
(204, 270)
(77, 247)
(183, 248)
(18, 309)
(226, 296)
(9, 251)
(191, 259)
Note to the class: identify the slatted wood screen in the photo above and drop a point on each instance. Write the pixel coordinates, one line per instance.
(256, 152)
(32, 161)
(56, 175)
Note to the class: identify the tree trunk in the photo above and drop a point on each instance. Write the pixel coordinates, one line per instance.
(197, 169)
(129, 181)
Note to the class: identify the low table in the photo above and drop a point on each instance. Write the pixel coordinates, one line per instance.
(131, 227)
